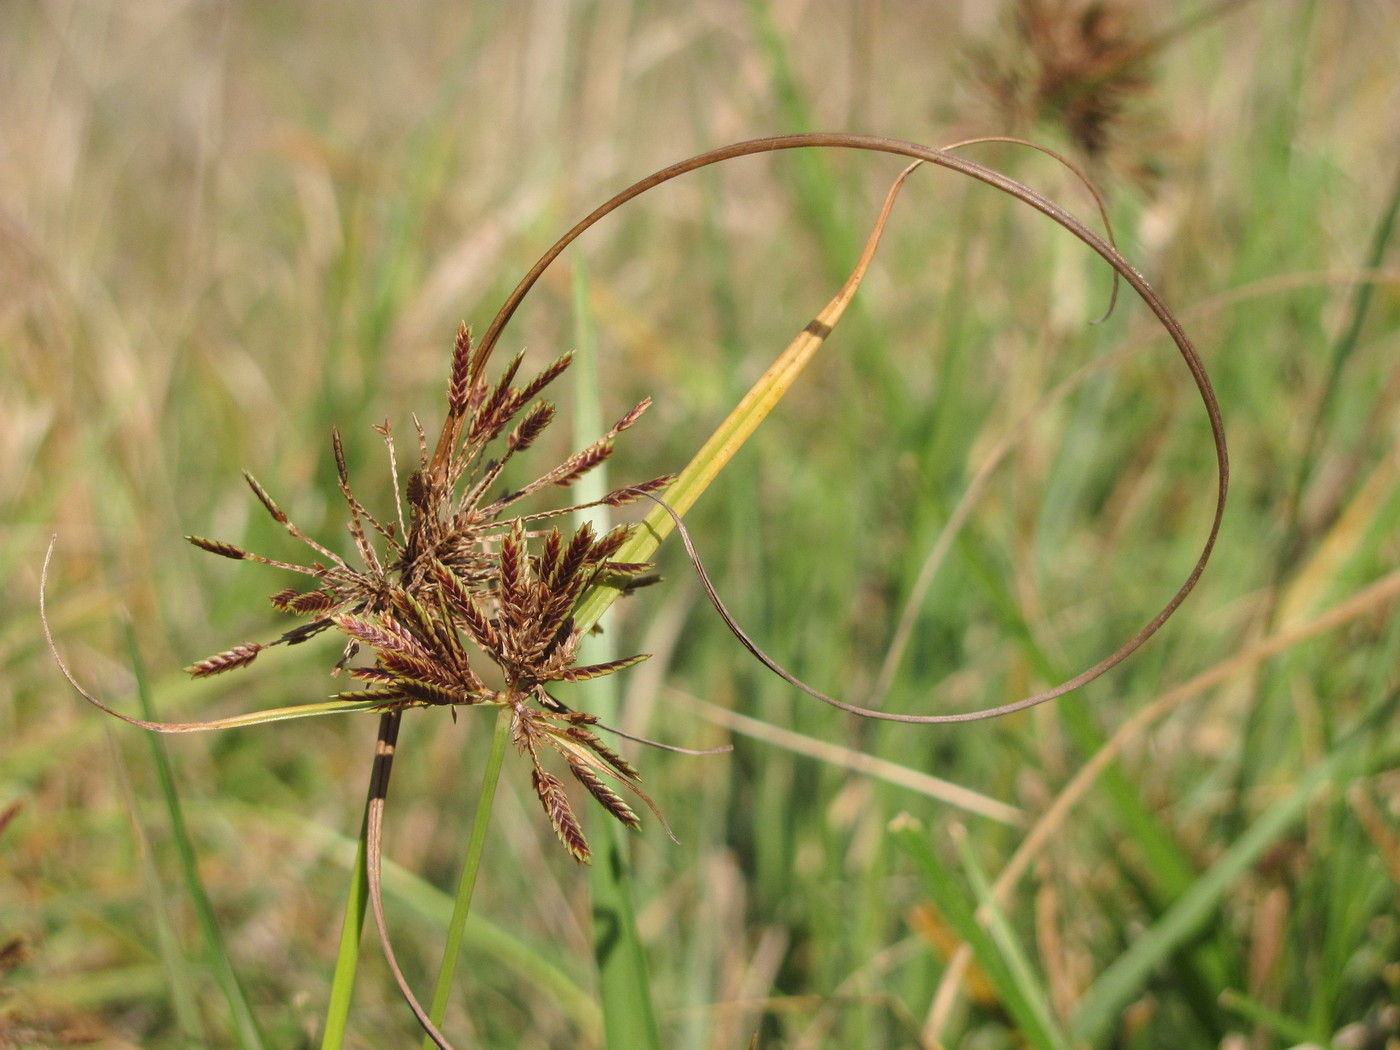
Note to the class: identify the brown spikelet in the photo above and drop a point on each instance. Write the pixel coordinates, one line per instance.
(384, 635)
(579, 464)
(574, 558)
(411, 618)
(266, 500)
(372, 674)
(392, 698)
(549, 375)
(631, 493)
(549, 557)
(461, 369)
(609, 798)
(561, 815)
(282, 599)
(531, 427)
(238, 656)
(609, 544)
(631, 417)
(479, 625)
(594, 743)
(342, 472)
(490, 419)
(583, 674)
(423, 669)
(512, 565)
(311, 603)
(453, 588)
(432, 692)
(219, 547)
(627, 568)
(417, 491)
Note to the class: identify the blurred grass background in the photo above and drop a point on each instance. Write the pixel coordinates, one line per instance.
(228, 227)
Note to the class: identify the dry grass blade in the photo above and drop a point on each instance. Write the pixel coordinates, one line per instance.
(857, 761)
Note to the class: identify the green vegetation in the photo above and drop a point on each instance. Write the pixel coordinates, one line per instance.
(226, 229)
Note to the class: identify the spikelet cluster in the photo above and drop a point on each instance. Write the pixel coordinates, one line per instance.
(458, 577)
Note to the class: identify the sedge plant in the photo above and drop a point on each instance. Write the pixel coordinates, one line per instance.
(460, 598)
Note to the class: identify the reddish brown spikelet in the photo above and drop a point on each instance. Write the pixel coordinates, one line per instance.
(431, 692)
(554, 618)
(583, 674)
(479, 625)
(282, 599)
(549, 375)
(627, 568)
(531, 427)
(372, 674)
(609, 798)
(549, 558)
(579, 464)
(609, 545)
(402, 665)
(458, 595)
(457, 387)
(412, 619)
(384, 635)
(512, 565)
(631, 493)
(575, 557)
(593, 742)
(492, 417)
(561, 815)
(219, 547)
(632, 416)
(265, 499)
(311, 602)
(238, 656)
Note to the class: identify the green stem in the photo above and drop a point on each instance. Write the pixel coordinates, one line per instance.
(347, 959)
(461, 908)
(624, 987)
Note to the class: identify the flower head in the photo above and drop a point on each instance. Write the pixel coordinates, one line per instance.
(454, 583)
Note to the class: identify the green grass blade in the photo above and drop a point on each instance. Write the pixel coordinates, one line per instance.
(175, 964)
(529, 967)
(1124, 979)
(1018, 966)
(812, 176)
(535, 968)
(245, 1024)
(1294, 1032)
(462, 904)
(941, 885)
(629, 1018)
